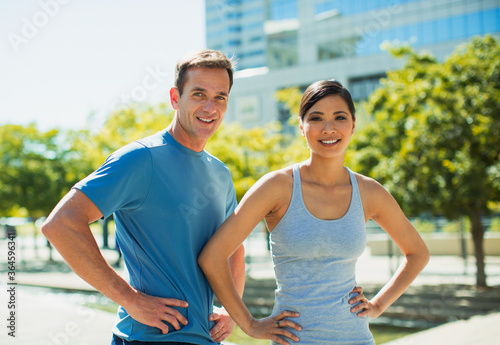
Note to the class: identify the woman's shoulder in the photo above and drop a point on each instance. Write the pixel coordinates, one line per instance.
(275, 182)
(373, 195)
(279, 177)
(368, 185)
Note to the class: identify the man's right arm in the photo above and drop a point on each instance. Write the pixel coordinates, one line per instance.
(67, 228)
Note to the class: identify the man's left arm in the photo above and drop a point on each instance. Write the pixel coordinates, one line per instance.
(224, 324)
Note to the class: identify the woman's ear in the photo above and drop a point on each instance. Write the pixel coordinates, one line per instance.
(301, 126)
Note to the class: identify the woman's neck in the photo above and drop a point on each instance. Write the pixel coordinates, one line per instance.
(324, 171)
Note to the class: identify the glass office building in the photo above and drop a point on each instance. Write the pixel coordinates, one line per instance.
(283, 43)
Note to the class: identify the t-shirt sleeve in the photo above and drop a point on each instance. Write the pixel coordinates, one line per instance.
(122, 182)
(231, 198)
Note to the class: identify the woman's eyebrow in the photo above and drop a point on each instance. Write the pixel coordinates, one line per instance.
(317, 112)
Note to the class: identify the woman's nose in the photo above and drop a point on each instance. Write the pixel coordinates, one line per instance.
(329, 127)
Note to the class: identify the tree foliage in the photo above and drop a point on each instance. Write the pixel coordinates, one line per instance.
(33, 170)
(91, 147)
(435, 141)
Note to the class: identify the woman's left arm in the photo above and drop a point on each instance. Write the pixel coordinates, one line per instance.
(380, 206)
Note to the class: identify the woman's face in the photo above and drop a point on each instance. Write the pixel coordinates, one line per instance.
(328, 126)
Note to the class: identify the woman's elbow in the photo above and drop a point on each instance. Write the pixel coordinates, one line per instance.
(426, 255)
(422, 256)
(204, 259)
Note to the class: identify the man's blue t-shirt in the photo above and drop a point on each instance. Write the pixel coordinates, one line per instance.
(167, 202)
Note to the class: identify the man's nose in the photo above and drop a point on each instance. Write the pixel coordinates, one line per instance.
(209, 106)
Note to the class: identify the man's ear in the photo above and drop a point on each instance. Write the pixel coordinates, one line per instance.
(174, 98)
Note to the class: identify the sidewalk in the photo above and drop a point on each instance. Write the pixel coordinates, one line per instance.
(51, 320)
(479, 330)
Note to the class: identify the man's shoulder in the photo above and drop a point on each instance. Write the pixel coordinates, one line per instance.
(140, 149)
(155, 140)
(215, 161)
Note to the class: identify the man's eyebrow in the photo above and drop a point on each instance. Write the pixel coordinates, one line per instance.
(197, 89)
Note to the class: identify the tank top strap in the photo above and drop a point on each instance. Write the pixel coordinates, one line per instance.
(296, 203)
(296, 179)
(356, 196)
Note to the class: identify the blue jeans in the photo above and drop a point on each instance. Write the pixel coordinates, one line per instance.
(119, 341)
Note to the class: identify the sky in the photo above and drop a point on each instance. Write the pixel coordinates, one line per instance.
(63, 60)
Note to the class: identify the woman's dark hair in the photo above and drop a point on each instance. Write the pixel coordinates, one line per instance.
(320, 90)
(206, 59)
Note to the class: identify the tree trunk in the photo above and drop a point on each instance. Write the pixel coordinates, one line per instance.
(478, 236)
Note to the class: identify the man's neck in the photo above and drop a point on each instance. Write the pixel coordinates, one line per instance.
(185, 140)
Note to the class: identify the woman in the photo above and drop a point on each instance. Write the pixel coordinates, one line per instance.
(316, 212)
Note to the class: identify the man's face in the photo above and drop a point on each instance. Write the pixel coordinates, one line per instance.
(201, 107)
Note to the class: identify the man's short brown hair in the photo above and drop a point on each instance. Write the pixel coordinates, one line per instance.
(205, 59)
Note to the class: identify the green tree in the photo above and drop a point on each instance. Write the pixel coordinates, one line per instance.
(33, 174)
(435, 141)
(248, 153)
(91, 147)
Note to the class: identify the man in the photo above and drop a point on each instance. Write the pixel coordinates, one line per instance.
(168, 197)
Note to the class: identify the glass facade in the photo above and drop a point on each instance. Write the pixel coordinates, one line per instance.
(229, 23)
(300, 41)
(236, 28)
(283, 9)
(432, 32)
(350, 7)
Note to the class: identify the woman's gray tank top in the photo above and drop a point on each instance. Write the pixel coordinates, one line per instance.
(314, 263)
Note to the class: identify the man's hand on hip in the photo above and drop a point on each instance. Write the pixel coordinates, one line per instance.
(153, 311)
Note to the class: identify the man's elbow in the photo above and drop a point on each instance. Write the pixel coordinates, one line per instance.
(49, 227)
(55, 223)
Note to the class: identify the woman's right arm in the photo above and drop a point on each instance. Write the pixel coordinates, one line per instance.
(261, 200)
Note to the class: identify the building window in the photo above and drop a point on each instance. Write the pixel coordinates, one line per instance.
(423, 33)
(351, 7)
(334, 49)
(283, 9)
(282, 49)
(362, 88)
